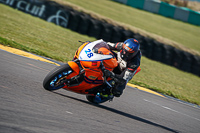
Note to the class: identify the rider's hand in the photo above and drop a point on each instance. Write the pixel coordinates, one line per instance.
(115, 77)
(108, 73)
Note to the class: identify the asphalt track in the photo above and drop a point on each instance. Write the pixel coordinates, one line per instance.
(26, 107)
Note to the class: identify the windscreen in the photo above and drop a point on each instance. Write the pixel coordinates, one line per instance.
(102, 48)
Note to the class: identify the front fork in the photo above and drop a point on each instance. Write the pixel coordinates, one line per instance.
(77, 77)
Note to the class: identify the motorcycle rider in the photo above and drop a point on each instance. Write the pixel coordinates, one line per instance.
(128, 56)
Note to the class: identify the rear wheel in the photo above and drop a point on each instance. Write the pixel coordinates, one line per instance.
(55, 79)
(92, 99)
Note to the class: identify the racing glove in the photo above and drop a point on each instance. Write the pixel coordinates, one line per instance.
(115, 77)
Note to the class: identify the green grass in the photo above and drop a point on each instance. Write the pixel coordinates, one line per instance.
(168, 80)
(177, 31)
(32, 34)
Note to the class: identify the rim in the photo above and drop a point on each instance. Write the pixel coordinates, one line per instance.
(55, 83)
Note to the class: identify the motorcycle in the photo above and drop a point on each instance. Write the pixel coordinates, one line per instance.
(85, 74)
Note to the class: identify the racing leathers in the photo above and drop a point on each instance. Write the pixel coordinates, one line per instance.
(126, 68)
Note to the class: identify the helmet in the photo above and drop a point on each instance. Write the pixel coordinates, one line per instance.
(130, 49)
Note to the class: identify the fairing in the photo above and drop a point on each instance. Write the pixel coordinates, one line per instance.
(90, 55)
(95, 51)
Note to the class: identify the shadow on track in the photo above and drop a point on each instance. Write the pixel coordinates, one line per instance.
(121, 113)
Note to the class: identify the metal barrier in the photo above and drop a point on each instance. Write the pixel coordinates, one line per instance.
(156, 6)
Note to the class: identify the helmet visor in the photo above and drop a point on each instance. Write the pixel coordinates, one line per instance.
(127, 53)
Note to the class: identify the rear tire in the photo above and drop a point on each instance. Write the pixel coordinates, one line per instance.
(53, 77)
(91, 99)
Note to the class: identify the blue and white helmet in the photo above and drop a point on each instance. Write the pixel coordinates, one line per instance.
(130, 49)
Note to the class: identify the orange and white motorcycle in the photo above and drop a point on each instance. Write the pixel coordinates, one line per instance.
(85, 73)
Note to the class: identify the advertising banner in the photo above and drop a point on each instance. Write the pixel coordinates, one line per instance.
(46, 10)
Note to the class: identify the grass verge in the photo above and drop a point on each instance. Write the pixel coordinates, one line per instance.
(34, 35)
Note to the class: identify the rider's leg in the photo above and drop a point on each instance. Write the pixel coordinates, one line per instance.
(118, 90)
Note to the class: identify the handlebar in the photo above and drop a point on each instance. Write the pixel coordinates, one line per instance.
(104, 76)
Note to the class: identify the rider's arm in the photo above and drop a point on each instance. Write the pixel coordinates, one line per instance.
(131, 69)
(115, 46)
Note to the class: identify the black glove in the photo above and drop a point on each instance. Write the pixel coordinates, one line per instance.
(108, 73)
(116, 78)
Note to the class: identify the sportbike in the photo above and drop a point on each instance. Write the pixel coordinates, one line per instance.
(85, 74)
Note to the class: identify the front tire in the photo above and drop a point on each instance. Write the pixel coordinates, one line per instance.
(53, 80)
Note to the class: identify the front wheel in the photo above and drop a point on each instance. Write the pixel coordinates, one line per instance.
(54, 80)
